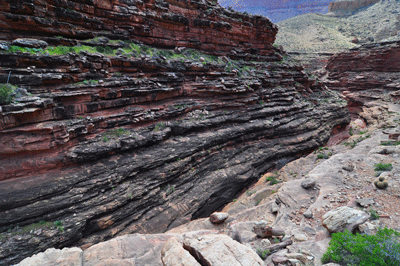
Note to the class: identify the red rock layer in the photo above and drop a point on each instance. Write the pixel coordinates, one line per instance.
(197, 24)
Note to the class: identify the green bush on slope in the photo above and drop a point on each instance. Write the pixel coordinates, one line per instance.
(6, 91)
(382, 249)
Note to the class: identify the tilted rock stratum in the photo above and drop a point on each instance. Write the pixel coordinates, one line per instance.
(136, 117)
(366, 74)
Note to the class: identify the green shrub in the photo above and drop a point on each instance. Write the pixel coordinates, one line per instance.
(373, 214)
(390, 143)
(263, 253)
(6, 91)
(383, 167)
(59, 225)
(272, 180)
(382, 249)
(320, 156)
(100, 49)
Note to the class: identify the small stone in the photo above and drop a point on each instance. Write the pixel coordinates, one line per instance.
(279, 259)
(300, 237)
(262, 229)
(308, 214)
(365, 202)
(348, 168)
(218, 217)
(265, 242)
(294, 262)
(308, 183)
(274, 207)
(201, 59)
(297, 256)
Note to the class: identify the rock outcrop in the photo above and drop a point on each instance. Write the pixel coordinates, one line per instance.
(112, 136)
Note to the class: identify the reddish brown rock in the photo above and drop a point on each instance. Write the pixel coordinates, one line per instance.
(196, 24)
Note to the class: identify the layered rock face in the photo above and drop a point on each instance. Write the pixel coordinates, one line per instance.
(366, 73)
(197, 24)
(111, 137)
(348, 7)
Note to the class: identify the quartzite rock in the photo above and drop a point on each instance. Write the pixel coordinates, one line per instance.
(55, 257)
(173, 254)
(344, 218)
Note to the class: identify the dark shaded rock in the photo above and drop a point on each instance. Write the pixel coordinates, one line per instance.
(263, 230)
(30, 43)
(348, 168)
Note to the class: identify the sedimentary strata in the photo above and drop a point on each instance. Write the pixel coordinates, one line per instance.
(110, 136)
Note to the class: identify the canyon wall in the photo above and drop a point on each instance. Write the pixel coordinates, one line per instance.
(199, 24)
(169, 112)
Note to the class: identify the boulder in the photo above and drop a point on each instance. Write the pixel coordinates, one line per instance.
(344, 218)
(219, 250)
(55, 257)
(136, 248)
(218, 217)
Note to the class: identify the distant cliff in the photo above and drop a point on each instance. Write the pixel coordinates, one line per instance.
(348, 7)
(278, 10)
